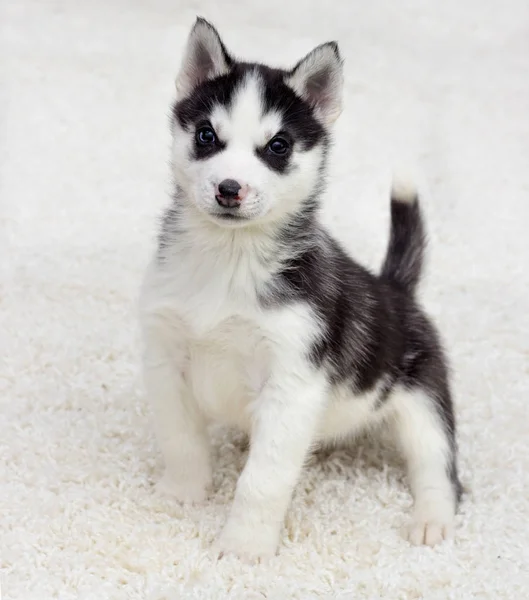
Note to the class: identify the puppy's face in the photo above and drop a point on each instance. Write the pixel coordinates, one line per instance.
(250, 141)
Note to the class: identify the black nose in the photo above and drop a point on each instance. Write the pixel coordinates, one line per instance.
(228, 195)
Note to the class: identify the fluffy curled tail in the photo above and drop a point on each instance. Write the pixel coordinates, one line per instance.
(405, 255)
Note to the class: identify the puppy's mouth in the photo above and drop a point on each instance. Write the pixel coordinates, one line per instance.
(228, 216)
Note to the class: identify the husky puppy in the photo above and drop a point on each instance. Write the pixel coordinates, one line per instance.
(253, 315)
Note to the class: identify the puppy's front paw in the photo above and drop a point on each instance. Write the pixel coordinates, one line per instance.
(248, 544)
(192, 490)
(432, 522)
(429, 533)
(430, 528)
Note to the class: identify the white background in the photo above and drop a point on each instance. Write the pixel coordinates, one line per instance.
(84, 98)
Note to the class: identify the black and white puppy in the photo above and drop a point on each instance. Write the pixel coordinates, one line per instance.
(253, 315)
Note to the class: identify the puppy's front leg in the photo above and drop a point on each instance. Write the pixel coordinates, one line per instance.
(180, 426)
(285, 417)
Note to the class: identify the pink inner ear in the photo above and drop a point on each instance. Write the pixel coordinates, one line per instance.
(203, 62)
(317, 87)
(319, 80)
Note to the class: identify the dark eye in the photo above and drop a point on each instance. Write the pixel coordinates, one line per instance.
(205, 136)
(278, 146)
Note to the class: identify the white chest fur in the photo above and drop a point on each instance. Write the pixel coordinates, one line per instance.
(209, 302)
(227, 369)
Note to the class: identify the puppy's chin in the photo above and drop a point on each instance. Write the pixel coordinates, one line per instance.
(225, 220)
(235, 219)
(230, 220)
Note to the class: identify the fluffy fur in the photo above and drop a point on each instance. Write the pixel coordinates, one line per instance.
(254, 316)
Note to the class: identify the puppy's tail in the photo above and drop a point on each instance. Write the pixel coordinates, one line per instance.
(405, 255)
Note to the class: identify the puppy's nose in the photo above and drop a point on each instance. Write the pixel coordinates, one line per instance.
(229, 193)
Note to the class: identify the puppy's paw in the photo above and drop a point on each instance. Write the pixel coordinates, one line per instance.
(432, 522)
(191, 491)
(429, 533)
(249, 545)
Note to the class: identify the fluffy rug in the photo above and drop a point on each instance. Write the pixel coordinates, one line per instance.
(84, 141)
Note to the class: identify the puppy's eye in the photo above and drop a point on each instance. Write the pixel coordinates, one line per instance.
(205, 136)
(278, 145)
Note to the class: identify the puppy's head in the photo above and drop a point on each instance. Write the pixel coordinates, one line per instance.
(249, 141)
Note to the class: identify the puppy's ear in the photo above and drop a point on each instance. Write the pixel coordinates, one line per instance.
(205, 58)
(318, 79)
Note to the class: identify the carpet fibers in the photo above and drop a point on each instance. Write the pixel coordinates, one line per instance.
(85, 89)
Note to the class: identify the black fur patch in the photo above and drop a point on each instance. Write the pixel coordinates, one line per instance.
(276, 162)
(298, 121)
(373, 329)
(405, 254)
(202, 152)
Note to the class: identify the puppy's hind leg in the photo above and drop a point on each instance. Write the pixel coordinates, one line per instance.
(425, 430)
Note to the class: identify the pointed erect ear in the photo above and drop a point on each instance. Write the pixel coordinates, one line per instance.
(205, 58)
(318, 79)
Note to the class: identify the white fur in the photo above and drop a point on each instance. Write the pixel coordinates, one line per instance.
(426, 449)
(403, 189)
(213, 354)
(318, 78)
(203, 58)
(345, 416)
(83, 174)
(243, 129)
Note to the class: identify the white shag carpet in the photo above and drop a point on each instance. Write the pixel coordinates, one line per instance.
(84, 97)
